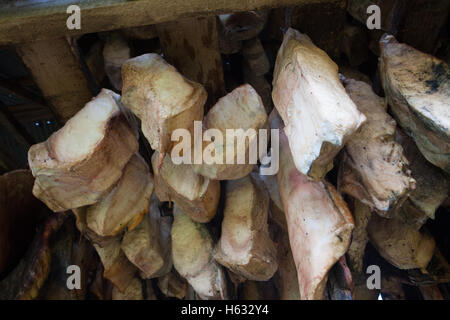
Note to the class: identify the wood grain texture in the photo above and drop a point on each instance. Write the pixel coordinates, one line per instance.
(192, 46)
(58, 74)
(22, 21)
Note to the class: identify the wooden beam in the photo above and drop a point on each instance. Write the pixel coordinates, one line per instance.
(192, 46)
(29, 20)
(57, 72)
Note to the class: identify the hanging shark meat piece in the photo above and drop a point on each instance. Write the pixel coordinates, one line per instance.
(245, 246)
(318, 114)
(319, 224)
(192, 252)
(118, 269)
(82, 161)
(197, 196)
(148, 245)
(241, 110)
(126, 204)
(400, 244)
(417, 87)
(162, 98)
(374, 170)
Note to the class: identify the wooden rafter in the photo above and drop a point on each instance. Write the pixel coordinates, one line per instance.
(58, 73)
(31, 20)
(192, 46)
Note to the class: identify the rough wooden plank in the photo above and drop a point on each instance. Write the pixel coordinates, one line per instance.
(58, 74)
(192, 46)
(36, 20)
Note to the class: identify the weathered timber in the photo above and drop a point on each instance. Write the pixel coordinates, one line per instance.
(21, 22)
(57, 72)
(192, 46)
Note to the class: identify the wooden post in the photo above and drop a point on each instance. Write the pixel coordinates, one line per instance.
(31, 20)
(192, 46)
(58, 74)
